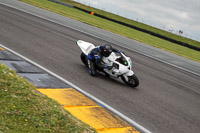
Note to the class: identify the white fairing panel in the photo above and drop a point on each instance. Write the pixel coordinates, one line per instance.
(86, 47)
(110, 59)
(129, 73)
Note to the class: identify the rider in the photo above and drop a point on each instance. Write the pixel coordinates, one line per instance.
(95, 58)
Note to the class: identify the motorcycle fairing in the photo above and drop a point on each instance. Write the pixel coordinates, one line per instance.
(86, 47)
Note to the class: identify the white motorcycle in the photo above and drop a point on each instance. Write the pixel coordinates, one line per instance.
(122, 64)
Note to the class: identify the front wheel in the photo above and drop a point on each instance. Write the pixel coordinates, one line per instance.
(131, 80)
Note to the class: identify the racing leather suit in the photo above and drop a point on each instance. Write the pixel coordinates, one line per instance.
(95, 60)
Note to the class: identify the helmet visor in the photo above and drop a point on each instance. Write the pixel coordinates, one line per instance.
(106, 52)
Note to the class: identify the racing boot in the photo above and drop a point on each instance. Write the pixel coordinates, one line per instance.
(92, 68)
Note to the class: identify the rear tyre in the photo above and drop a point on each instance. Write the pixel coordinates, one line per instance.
(131, 80)
(84, 59)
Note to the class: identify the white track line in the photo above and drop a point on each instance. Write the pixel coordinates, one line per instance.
(133, 123)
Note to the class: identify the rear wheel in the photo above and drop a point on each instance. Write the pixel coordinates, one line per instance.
(84, 59)
(131, 80)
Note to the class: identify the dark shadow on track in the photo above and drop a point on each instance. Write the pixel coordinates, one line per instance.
(112, 80)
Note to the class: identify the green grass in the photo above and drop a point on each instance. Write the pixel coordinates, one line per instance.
(120, 29)
(135, 23)
(23, 109)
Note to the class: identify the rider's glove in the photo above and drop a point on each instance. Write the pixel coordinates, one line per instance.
(110, 67)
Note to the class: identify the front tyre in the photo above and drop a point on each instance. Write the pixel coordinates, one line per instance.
(131, 80)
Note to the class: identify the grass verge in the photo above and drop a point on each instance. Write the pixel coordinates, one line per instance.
(23, 109)
(134, 23)
(120, 29)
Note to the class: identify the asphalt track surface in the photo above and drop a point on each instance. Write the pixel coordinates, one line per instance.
(167, 100)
